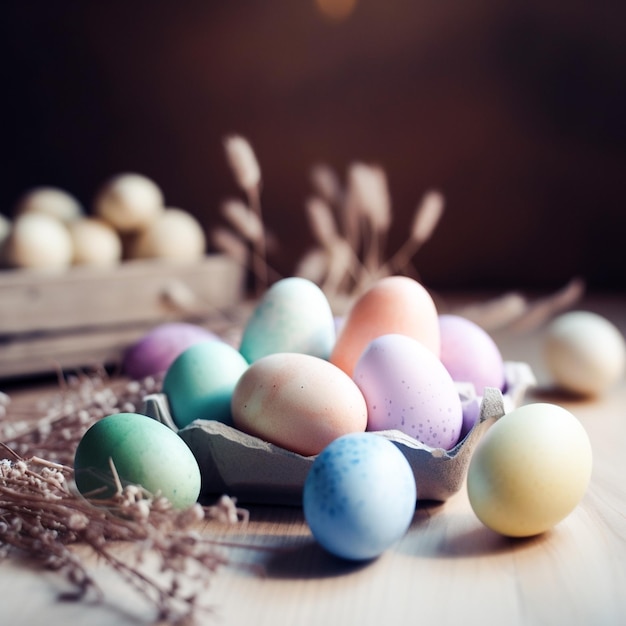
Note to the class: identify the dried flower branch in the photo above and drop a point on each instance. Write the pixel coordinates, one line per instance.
(350, 224)
(243, 162)
(245, 168)
(42, 514)
(327, 185)
(244, 220)
(425, 220)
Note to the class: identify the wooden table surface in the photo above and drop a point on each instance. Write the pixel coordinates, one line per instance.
(448, 569)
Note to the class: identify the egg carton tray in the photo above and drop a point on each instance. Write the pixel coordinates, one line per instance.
(257, 472)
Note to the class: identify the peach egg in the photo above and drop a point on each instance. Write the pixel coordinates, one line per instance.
(297, 401)
(394, 304)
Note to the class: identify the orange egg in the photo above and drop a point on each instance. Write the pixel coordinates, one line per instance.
(395, 304)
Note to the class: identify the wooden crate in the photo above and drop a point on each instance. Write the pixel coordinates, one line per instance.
(87, 316)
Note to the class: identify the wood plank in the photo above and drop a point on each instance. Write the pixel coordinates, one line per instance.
(134, 291)
(85, 316)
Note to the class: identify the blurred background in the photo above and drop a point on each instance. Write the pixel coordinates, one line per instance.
(515, 111)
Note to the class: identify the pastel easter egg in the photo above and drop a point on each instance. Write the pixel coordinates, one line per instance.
(143, 452)
(298, 402)
(293, 316)
(154, 352)
(585, 353)
(395, 304)
(530, 470)
(470, 354)
(407, 388)
(199, 383)
(359, 496)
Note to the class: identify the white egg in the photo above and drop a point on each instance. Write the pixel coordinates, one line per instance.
(50, 201)
(175, 235)
(5, 228)
(95, 243)
(39, 241)
(129, 202)
(530, 470)
(584, 352)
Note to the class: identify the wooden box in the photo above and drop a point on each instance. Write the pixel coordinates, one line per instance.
(87, 316)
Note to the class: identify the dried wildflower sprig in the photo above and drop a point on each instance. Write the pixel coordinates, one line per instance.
(248, 220)
(350, 224)
(42, 516)
(53, 430)
(361, 218)
(519, 313)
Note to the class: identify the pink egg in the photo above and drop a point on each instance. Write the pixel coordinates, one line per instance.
(407, 388)
(470, 354)
(395, 304)
(156, 351)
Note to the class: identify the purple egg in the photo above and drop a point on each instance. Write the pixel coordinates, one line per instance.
(470, 354)
(407, 388)
(155, 351)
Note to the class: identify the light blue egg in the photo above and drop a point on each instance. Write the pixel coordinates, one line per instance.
(359, 496)
(199, 384)
(294, 315)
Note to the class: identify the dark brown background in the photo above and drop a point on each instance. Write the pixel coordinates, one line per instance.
(514, 109)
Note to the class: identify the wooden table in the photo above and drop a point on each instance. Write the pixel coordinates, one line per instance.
(448, 569)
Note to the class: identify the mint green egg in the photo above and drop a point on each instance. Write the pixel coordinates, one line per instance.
(144, 452)
(294, 315)
(200, 382)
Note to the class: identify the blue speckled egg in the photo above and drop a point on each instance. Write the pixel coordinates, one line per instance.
(359, 496)
(294, 315)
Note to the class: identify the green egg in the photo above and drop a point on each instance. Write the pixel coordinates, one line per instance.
(144, 452)
(200, 382)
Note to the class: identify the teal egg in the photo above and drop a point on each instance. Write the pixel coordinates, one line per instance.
(294, 315)
(144, 452)
(200, 382)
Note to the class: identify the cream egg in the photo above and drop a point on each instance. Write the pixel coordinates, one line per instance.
(94, 242)
(530, 470)
(129, 202)
(298, 402)
(50, 201)
(175, 235)
(38, 241)
(584, 352)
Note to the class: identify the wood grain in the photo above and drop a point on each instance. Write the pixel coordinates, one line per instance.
(85, 316)
(448, 569)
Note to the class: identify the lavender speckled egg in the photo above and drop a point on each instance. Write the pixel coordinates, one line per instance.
(157, 349)
(359, 496)
(407, 388)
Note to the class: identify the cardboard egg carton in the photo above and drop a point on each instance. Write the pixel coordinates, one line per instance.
(85, 317)
(255, 471)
